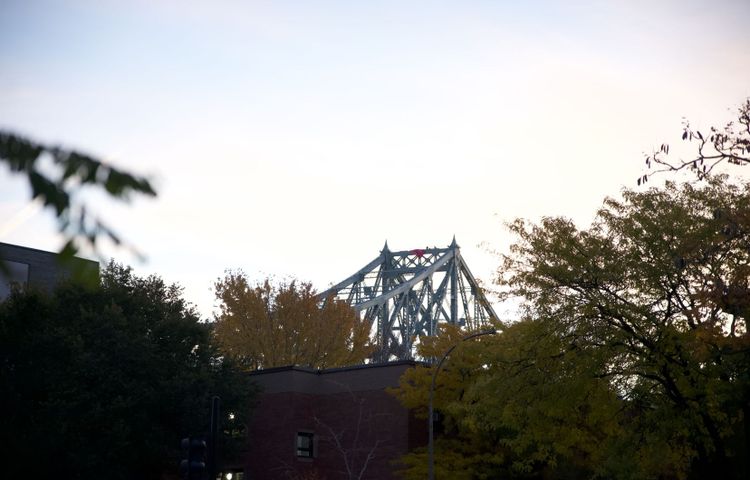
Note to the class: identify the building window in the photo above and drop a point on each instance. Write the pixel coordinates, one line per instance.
(305, 444)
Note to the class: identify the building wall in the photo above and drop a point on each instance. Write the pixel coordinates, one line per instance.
(35, 268)
(358, 427)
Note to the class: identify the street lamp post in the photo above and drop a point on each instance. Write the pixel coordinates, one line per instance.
(431, 442)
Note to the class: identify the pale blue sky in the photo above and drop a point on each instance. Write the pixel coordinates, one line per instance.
(293, 138)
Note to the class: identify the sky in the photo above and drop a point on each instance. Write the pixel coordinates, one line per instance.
(293, 138)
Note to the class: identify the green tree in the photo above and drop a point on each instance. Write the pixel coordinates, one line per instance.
(57, 184)
(632, 355)
(103, 382)
(460, 453)
(659, 285)
(511, 407)
(268, 325)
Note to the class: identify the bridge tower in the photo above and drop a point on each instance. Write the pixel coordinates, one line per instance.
(406, 294)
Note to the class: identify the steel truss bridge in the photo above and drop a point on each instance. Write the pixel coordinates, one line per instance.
(406, 294)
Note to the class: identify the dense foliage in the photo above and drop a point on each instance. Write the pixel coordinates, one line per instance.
(632, 357)
(103, 382)
(268, 325)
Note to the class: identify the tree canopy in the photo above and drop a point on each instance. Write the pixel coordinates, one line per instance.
(271, 325)
(632, 354)
(103, 382)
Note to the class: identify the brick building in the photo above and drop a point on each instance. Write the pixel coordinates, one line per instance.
(329, 424)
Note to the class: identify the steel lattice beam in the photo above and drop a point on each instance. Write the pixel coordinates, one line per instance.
(406, 294)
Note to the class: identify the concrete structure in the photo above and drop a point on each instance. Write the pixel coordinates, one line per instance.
(330, 424)
(36, 268)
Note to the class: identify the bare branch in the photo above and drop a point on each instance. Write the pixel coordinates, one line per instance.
(731, 145)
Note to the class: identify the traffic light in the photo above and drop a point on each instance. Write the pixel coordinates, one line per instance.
(193, 463)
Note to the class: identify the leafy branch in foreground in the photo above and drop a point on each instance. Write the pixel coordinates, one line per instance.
(57, 187)
(730, 144)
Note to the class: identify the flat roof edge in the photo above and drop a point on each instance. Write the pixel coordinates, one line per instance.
(13, 246)
(336, 369)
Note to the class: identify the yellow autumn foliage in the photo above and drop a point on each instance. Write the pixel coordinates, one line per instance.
(269, 325)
